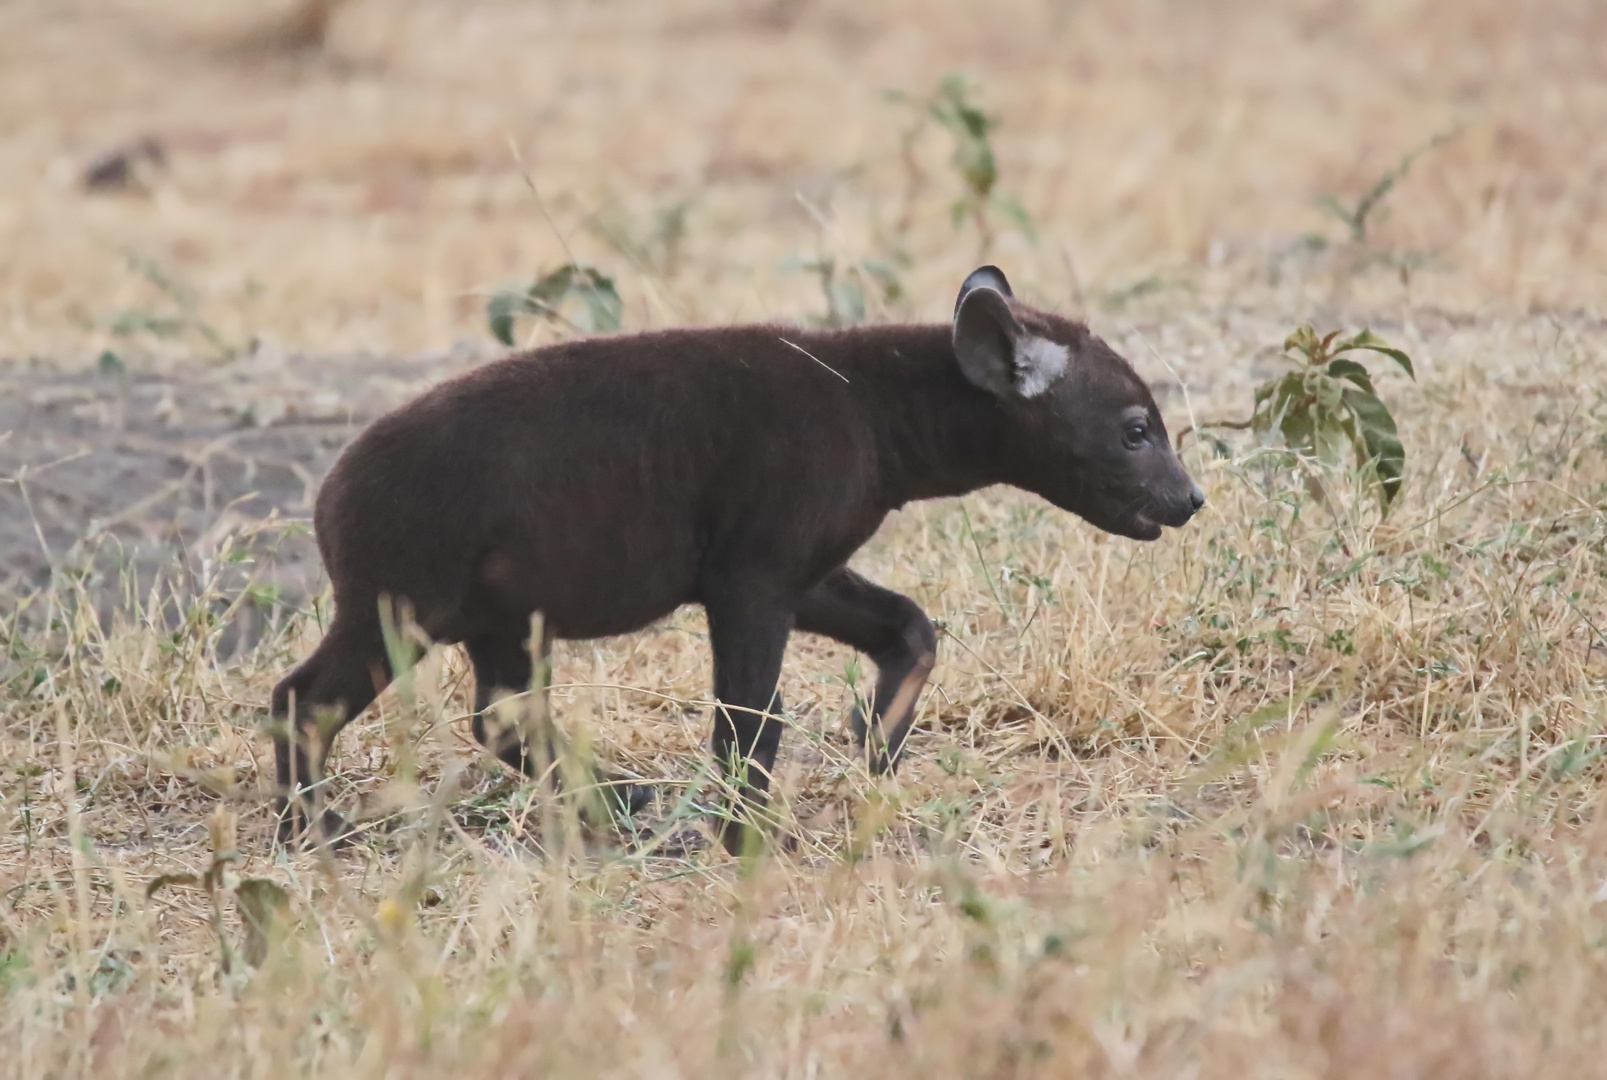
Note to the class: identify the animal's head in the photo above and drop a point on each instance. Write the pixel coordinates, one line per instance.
(1083, 430)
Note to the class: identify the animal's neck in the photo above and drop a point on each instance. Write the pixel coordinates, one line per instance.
(937, 434)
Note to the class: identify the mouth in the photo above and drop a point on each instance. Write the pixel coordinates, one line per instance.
(1141, 527)
(1148, 518)
(1122, 512)
(1132, 518)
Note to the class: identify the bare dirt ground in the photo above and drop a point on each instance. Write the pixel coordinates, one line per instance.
(127, 472)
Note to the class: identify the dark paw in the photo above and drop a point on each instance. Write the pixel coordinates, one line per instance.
(870, 746)
(877, 761)
(635, 798)
(734, 835)
(623, 797)
(297, 829)
(742, 839)
(626, 796)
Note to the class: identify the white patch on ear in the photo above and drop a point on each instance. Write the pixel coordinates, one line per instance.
(1039, 363)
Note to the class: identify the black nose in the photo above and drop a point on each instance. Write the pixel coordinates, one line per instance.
(1196, 498)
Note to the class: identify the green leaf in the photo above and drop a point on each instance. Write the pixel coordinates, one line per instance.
(1331, 435)
(550, 290)
(499, 312)
(1349, 369)
(1370, 341)
(162, 881)
(1305, 340)
(973, 158)
(263, 905)
(1332, 205)
(1299, 429)
(1273, 400)
(974, 161)
(601, 309)
(1382, 441)
(1327, 390)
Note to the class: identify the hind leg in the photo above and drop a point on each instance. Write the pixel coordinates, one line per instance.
(502, 664)
(311, 705)
(896, 635)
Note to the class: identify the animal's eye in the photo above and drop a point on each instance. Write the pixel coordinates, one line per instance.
(1133, 436)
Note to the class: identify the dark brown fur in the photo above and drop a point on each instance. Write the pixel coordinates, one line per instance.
(605, 482)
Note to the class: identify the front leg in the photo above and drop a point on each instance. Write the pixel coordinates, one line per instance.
(748, 631)
(899, 639)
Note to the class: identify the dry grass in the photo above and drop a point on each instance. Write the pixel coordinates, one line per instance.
(1295, 792)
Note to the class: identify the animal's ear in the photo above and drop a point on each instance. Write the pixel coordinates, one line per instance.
(997, 353)
(983, 277)
(985, 332)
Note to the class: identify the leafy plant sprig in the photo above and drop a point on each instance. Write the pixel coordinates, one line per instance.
(163, 325)
(1355, 217)
(576, 295)
(1328, 403)
(263, 904)
(951, 108)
